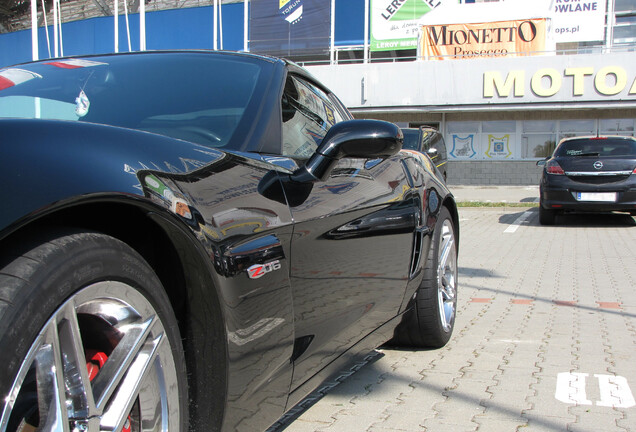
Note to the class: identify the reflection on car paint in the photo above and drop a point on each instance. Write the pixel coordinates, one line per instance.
(397, 218)
(75, 63)
(433, 200)
(82, 104)
(255, 331)
(340, 188)
(177, 204)
(15, 76)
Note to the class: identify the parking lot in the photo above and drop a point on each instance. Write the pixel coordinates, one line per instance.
(545, 338)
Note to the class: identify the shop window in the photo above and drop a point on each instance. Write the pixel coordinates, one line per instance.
(464, 127)
(625, 27)
(538, 139)
(499, 126)
(569, 128)
(617, 127)
(625, 5)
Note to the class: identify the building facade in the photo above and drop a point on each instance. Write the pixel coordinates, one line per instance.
(498, 116)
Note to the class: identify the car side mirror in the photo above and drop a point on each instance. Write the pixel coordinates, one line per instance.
(365, 139)
(541, 162)
(432, 152)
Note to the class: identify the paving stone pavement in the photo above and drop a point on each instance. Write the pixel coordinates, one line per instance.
(545, 338)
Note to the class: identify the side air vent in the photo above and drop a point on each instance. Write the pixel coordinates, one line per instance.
(418, 243)
(300, 346)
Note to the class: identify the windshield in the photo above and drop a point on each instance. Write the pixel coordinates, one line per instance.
(602, 146)
(198, 97)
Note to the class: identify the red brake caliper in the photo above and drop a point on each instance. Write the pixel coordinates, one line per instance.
(96, 362)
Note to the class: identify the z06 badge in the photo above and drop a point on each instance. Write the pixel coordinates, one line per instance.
(259, 270)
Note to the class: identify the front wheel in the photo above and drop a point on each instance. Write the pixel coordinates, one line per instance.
(89, 340)
(431, 321)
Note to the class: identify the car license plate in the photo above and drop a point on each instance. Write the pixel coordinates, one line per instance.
(596, 196)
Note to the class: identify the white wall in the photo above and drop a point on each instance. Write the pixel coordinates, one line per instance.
(574, 81)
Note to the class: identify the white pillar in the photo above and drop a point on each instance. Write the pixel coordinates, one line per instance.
(215, 27)
(609, 29)
(56, 49)
(332, 49)
(127, 26)
(59, 17)
(46, 29)
(116, 23)
(34, 30)
(245, 25)
(221, 22)
(366, 31)
(142, 25)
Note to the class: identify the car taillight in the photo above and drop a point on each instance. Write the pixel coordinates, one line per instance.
(553, 167)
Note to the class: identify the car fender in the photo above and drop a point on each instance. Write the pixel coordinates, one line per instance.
(104, 158)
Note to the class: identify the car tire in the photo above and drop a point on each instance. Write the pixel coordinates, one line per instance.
(431, 320)
(546, 216)
(87, 333)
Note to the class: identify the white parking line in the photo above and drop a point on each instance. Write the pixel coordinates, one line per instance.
(512, 228)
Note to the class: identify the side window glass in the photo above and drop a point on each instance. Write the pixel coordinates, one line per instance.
(441, 145)
(308, 113)
(426, 140)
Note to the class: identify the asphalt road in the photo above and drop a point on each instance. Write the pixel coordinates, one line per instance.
(545, 338)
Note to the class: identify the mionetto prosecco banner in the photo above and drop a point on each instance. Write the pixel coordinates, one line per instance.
(496, 39)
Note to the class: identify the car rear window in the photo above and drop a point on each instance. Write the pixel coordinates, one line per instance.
(621, 147)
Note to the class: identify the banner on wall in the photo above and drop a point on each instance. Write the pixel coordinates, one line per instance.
(395, 24)
(463, 146)
(498, 147)
(578, 21)
(290, 27)
(491, 39)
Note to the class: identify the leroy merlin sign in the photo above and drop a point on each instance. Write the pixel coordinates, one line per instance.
(394, 22)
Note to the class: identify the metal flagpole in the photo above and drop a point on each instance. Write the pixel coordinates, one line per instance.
(366, 31)
(221, 21)
(46, 29)
(116, 21)
(245, 25)
(142, 25)
(215, 25)
(59, 17)
(332, 49)
(127, 25)
(34, 30)
(56, 49)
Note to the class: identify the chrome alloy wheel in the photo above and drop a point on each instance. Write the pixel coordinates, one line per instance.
(447, 276)
(135, 387)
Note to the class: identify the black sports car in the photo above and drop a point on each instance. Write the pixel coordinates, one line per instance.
(589, 174)
(196, 240)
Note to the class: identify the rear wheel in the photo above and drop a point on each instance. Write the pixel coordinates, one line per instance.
(546, 216)
(89, 340)
(431, 321)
